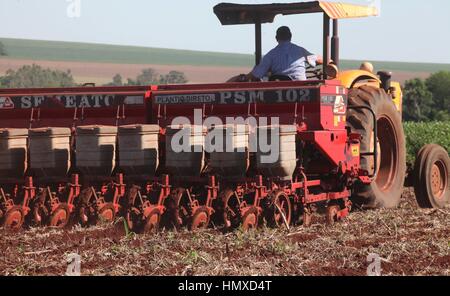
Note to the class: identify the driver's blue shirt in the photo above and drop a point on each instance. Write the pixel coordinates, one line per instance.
(286, 59)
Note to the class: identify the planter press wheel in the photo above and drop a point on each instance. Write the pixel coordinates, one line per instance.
(14, 218)
(60, 217)
(231, 209)
(131, 216)
(200, 219)
(281, 206)
(250, 219)
(84, 214)
(132, 212)
(307, 218)
(107, 213)
(84, 209)
(152, 221)
(432, 177)
(40, 213)
(332, 214)
(176, 214)
(129, 219)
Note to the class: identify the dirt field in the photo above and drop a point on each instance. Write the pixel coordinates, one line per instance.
(410, 242)
(102, 73)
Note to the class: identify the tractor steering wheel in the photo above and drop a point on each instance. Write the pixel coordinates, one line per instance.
(314, 72)
(242, 78)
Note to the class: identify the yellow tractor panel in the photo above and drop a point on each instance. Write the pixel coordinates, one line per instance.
(397, 95)
(350, 77)
(357, 78)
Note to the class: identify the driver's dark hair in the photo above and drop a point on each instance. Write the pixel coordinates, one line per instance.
(284, 34)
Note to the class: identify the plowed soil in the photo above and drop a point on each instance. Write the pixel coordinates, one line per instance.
(409, 240)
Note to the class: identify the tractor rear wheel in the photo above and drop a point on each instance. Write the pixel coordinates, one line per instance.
(432, 177)
(387, 187)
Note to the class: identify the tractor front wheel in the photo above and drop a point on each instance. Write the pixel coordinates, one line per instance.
(432, 177)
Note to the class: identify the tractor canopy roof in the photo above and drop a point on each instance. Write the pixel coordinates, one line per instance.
(235, 14)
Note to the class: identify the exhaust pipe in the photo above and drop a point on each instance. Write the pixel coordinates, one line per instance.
(386, 79)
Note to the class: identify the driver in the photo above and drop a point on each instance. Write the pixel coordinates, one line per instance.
(287, 61)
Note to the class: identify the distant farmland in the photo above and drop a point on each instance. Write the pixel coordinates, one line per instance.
(102, 53)
(100, 62)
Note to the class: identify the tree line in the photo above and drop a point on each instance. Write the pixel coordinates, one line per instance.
(150, 77)
(427, 100)
(30, 76)
(3, 51)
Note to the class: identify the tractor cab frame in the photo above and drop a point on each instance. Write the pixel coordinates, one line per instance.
(258, 14)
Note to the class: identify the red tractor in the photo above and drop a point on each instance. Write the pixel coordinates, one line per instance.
(152, 153)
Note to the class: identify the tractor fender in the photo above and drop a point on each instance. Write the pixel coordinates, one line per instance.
(351, 77)
(357, 78)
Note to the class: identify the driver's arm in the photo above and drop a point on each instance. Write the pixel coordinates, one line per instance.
(319, 60)
(262, 69)
(251, 77)
(313, 60)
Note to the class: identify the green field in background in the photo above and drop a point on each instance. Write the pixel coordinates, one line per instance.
(87, 52)
(418, 134)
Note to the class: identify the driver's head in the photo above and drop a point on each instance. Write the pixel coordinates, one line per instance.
(284, 34)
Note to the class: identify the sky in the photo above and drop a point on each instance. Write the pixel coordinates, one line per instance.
(406, 30)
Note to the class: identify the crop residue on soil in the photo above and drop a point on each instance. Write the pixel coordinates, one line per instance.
(409, 240)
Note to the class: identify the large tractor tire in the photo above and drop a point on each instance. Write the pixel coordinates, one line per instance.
(387, 186)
